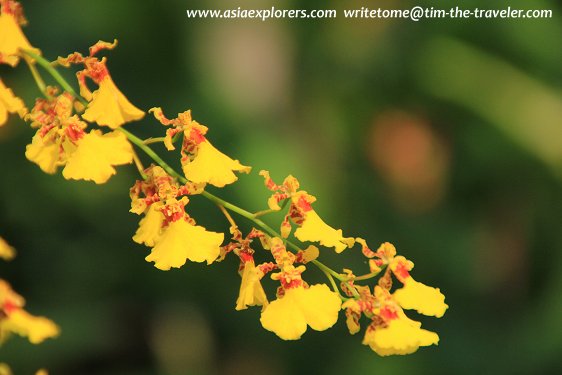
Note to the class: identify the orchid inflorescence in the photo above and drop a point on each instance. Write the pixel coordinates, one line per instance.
(67, 137)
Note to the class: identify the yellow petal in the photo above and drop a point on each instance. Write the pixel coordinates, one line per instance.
(45, 155)
(212, 166)
(387, 250)
(5, 369)
(150, 227)
(284, 317)
(315, 229)
(6, 251)
(251, 291)
(110, 107)
(273, 204)
(181, 241)
(320, 306)
(9, 103)
(401, 336)
(311, 253)
(11, 40)
(289, 316)
(422, 298)
(353, 314)
(35, 328)
(7, 295)
(95, 156)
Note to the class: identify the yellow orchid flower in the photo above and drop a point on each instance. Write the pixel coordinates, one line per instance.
(96, 155)
(107, 106)
(14, 319)
(251, 291)
(201, 161)
(211, 166)
(150, 226)
(181, 241)
(400, 336)
(9, 103)
(12, 39)
(315, 229)
(424, 299)
(288, 317)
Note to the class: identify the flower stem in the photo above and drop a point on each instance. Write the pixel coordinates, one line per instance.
(153, 140)
(227, 215)
(138, 164)
(55, 74)
(36, 76)
(153, 155)
(325, 268)
(367, 276)
(333, 283)
(264, 212)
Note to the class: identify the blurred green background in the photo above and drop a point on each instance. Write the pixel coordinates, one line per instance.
(441, 136)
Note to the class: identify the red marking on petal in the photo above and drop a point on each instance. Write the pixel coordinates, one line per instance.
(304, 204)
(74, 132)
(299, 258)
(269, 184)
(11, 7)
(246, 257)
(101, 45)
(296, 215)
(267, 267)
(44, 130)
(368, 252)
(9, 307)
(401, 271)
(196, 136)
(96, 70)
(365, 305)
(151, 199)
(291, 283)
(387, 313)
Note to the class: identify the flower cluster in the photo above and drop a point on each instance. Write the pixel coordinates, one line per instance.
(390, 330)
(63, 137)
(62, 140)
(107, 106)
(298, 305)
(84, 135)
(310, 226)
(201, 161)
(166, 227)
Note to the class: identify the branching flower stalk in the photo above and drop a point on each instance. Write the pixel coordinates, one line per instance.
(66, 137)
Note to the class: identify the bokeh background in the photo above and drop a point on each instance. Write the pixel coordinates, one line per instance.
(441, 136)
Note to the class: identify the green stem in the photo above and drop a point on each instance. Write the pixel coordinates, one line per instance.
(55, 74)
(367, 276)
(325, 268)
(154, 140)
(153, 155)
(264, 212)
(240, 211)
(333, 283)
(36, 76)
